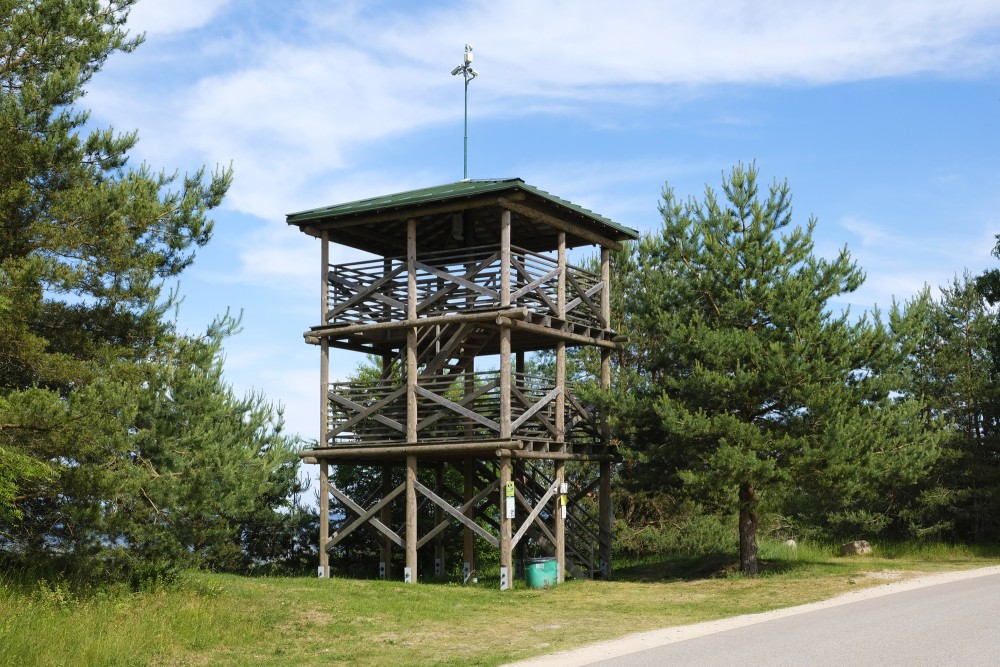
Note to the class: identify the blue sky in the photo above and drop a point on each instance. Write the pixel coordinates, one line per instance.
(884, 120)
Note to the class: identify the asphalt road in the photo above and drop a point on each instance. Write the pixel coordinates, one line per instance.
(955, 623)
(948, 618)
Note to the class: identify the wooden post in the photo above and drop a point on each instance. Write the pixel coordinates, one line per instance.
(606, 509)
(438, 518)
(560, 416)
(560, 522)
(385, 553)
(324, 519)
(506, 533)
(324, 404)
(324, 289)
(410, 574)
(469, 541)
(411, 400)
(506, 525)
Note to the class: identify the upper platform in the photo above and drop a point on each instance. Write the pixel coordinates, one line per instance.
(461, 215)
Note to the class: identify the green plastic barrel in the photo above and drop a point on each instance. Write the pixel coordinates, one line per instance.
(541, 572)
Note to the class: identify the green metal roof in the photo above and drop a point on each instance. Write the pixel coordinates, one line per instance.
(449, 192)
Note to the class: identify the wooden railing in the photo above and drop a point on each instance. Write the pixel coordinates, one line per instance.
(454, 281)
(375, 411)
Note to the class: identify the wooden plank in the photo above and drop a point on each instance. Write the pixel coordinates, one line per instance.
(530, 412)
(534, 284)
(453, 343)
(524, 272)
(360, 291)
(456, 281)
(456, 514)
(560, 225)
(364, 412)
(584, 297)
(364, 516)
(455, 407)
(467, 398)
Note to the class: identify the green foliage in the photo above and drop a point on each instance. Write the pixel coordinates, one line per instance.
(741, 377)
(122, 451)
(218, 474)
(952, 366)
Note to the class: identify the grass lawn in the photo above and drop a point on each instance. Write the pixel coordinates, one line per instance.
(209, 619)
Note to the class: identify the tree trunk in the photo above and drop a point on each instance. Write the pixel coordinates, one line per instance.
(748, 530)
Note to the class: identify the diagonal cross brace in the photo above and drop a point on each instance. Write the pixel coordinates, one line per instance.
(459, 516)
(364, 516)
(542, 402)
(533, 517)
(463, 509)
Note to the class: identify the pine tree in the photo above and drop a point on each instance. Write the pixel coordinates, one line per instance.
(86, 243)
(217, 474)
(744, 379)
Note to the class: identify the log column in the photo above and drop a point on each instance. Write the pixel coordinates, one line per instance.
(560, 416)
(324, 399)
(506, 533)
(411, 399)
(606, 509)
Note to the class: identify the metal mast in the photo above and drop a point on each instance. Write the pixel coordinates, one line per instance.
(465, 69)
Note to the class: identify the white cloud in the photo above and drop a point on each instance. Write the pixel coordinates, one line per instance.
(298, 106)
(156, 17)
(291, 105)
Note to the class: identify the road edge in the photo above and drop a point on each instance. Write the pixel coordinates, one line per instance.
(614, 648)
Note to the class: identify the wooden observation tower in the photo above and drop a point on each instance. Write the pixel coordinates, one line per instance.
(466, 279)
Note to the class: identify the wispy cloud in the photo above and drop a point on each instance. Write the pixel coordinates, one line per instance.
(299, 105)
(159, 17)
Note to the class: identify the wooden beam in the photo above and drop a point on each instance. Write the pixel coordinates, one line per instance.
(561, 225)
(411, 449)
(555, 333)
(364, 516)
(483, 316)
(560, 456)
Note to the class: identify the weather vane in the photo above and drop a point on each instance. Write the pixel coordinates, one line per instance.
(465, 69)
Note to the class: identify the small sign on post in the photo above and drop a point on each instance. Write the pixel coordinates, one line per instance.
(509, 492)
